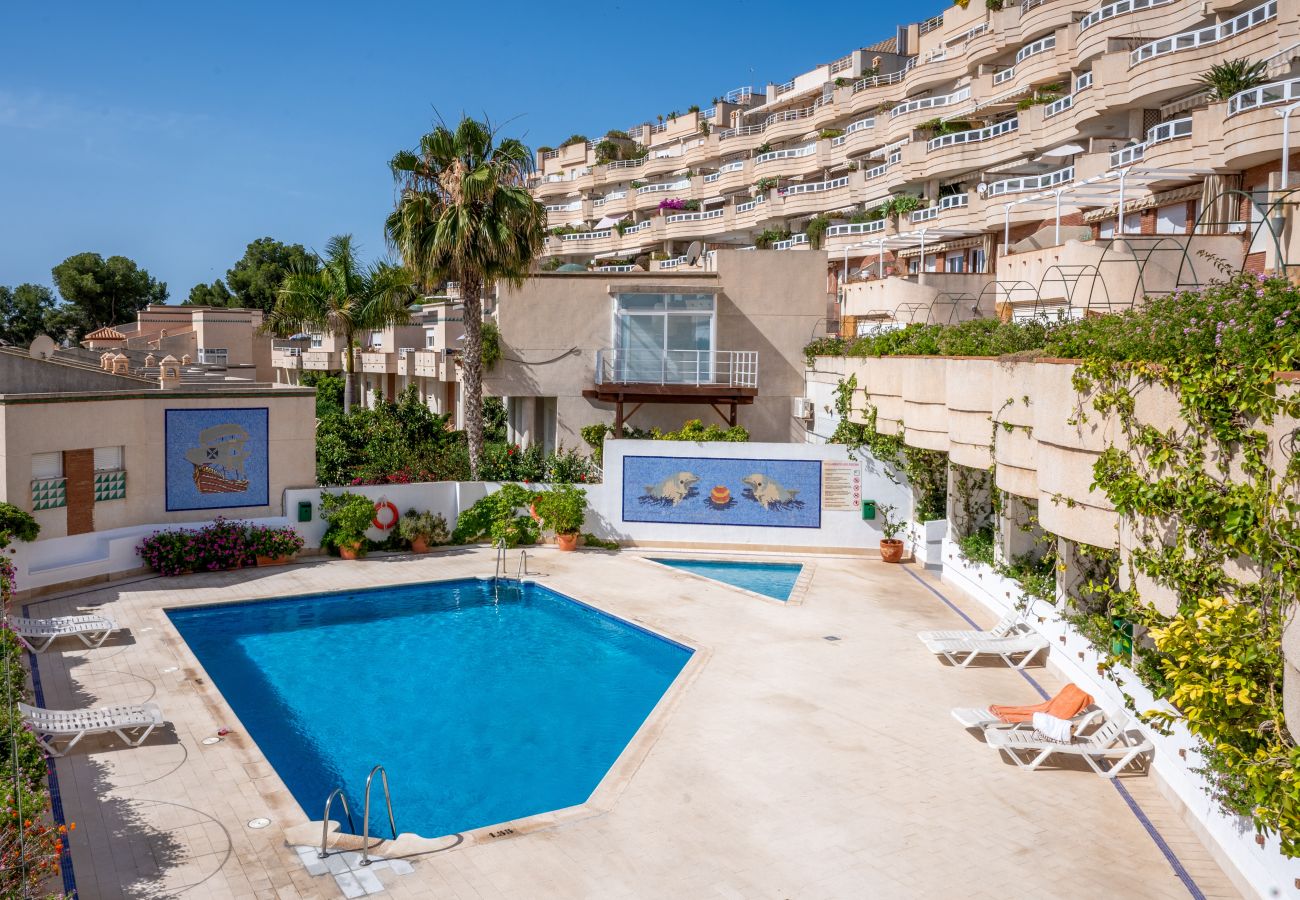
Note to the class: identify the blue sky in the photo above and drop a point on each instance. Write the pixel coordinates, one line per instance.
(176, 133)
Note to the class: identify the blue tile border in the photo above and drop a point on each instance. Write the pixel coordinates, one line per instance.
(1170, 856)
(56, 797)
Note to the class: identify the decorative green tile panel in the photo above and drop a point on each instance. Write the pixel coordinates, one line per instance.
(110, 485)
(49, 493)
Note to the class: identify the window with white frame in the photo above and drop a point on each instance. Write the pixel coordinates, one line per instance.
(954, 262)
(1171, 219)
(664, 338)
(317, 340)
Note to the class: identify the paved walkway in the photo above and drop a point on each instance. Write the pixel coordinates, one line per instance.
(789, 766)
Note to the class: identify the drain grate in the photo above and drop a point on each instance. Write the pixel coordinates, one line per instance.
(831, 637)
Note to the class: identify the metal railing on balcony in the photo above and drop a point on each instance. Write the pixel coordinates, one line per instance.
(734, 166)
(793, 241)
(616, 195)
(729, 368)
(587, 235)
(784, 88)
(695, 216)
(1042, 45)
(856, 228)
(712, 177)
(627, 268)
(1111, 10)
(709, 113)
(956, 96)
(1083, 82)
(1264, 95)
(738, 95)
(860, 125)
(876, 171)
(1032, 182)
(1127, 156)
(1168, 131)
(571, 206)
(815, 187)
(672, 263)
(626, 163)
(974, 135)
(791, 153)
(549, 154)
(750, 204)
(1004, 76)
(658, 129)
(844, 62)
(640, 226)
(1056, 107)
(931, 24)
(683, 184)
(952, 201)
(1204, 36)
(871, 81)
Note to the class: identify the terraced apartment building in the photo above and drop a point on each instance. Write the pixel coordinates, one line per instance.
(1055, 153)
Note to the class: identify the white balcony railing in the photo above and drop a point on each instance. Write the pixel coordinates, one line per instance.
(876, 171)
(930, 102)
(627, 268)
(709, 179)
(1004, 76)
(974, 135)
(1042, 45)
(871, 81)
(793, 241)
(814, 187)
(1127, 156)
(571, 206)
(672, 263)
(1203, 36)
(1083, 82)
(738, 96)
(627, 163)
(640, 226)
(695, 216)
(734, 166)
(1168, 131)
(730, 368)
(792, 153)
(860, 125)
(587, 235)
(1032, 182)
(952, 201)
(1056, 107)
(931, 24)
(856, 228)
(682, 185)
(1264, 95)
(1111, 10)
(750, 204)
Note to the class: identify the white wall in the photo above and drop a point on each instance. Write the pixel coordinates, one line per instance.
(840, 530)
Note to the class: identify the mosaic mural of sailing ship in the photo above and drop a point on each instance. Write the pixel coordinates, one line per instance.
(216, 458)
(219, 460)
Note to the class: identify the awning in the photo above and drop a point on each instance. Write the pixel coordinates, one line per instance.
(609, 222)
(1191, 192)
(1064, 150)
(960, 244)
(678, 288)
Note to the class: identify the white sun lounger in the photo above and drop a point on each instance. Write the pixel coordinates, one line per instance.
(38, 634)
(963, 652)
(50, 724)
(1109, 740)
(1011, 623)
(973, 717)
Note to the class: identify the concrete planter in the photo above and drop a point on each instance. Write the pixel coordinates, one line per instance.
(925, 409)
(1012, 430)
(969, 392)
(882, 381)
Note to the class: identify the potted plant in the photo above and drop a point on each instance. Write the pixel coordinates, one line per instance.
(273, 546)
(422, 530)
(562, 509)
(891, 548)
(349, 517)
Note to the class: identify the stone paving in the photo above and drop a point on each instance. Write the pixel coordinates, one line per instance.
(785, 765)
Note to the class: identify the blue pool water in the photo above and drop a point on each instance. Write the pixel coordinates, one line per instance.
(480, 711)
(775, 580)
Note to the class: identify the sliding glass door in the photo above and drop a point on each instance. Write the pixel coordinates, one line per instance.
(664, 338)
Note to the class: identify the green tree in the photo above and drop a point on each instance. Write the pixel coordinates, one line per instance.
(465, 214)
(255, 280)
(23, 312)
(215, 294)
(106, 291)
(341, 295)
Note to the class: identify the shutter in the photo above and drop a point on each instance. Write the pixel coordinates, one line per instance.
(108, 459)
(47, 465)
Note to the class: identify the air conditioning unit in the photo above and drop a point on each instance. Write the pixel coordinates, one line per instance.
(802, 407)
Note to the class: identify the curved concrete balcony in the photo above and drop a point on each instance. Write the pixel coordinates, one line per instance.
(1121, 18)
(969, 395)
(732, 176)
(659, 168)
(556, 189)
(1014, 446)
(648, 197)
(598, 241)
(1047, 59)
(790, 161)
(842, 237)
(882, 386)
(691, 225)
(906, 116)
(621, 171)
(815, 196)
(1044, 16)
(867, 96)
(860, 136)
(614, 203)
(752, 213)
(938, 71)
(321, 360)
(1251, 127)
(962, 152)
(741, 140)
(1210, 41)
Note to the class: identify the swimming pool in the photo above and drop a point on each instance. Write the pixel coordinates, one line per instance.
(775, 580)
(481, 711)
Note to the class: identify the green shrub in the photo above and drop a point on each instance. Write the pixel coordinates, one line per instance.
(349, 516)
(562, 508)
(590, 540)
(432, 527)
(496, 517)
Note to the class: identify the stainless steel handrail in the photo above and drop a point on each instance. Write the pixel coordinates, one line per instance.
(523, 566)
(325, 820)
(365, 825)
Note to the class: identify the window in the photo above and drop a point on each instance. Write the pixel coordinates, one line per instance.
(664, 338)
(978, 261)
(47, 465)
(317, 340)
(430, 340)
(1106, 228)
(376, 339)
(1171, 219)
(1133, 223)
(954, 262)
(108, 459)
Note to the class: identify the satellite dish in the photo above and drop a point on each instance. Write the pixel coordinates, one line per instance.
(42, 347)
(693, 253)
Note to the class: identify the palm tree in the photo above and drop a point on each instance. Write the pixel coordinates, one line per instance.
(342, 297)
(1232, 77)
(464, 214)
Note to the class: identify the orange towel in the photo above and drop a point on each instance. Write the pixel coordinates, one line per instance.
(1067, 704)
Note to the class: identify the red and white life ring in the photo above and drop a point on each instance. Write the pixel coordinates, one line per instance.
(380, 506)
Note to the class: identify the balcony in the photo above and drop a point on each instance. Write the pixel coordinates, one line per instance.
(378, 362)
(1165, 131)
(952, 201)
(286, 358)
(956, 96)
(1031, 183)
(975, 135)
(1264, 95)
(1202, 37)
(1111, 10)
(716, 377)
(321, 360)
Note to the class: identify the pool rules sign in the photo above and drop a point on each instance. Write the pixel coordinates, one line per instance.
(841, 485)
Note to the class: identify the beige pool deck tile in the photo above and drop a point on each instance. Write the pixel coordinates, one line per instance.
(781, 765)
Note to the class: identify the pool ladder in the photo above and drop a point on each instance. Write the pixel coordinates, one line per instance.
(502, 570)
(365, 821)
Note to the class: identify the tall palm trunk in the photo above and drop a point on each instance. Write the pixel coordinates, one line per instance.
(472, 371)
(349, 380)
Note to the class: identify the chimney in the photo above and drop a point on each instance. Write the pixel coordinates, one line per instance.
(185, 360)
(169, 373)
(121, 365)
(150, 361)
(106, 361)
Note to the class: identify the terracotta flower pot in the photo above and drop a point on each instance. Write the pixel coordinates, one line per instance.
(891, 550)
(350, 551)
(272, 560)
(567, 542)
(420, 544)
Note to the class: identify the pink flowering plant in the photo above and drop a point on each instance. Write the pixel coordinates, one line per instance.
(221, 545)
(276, 543)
